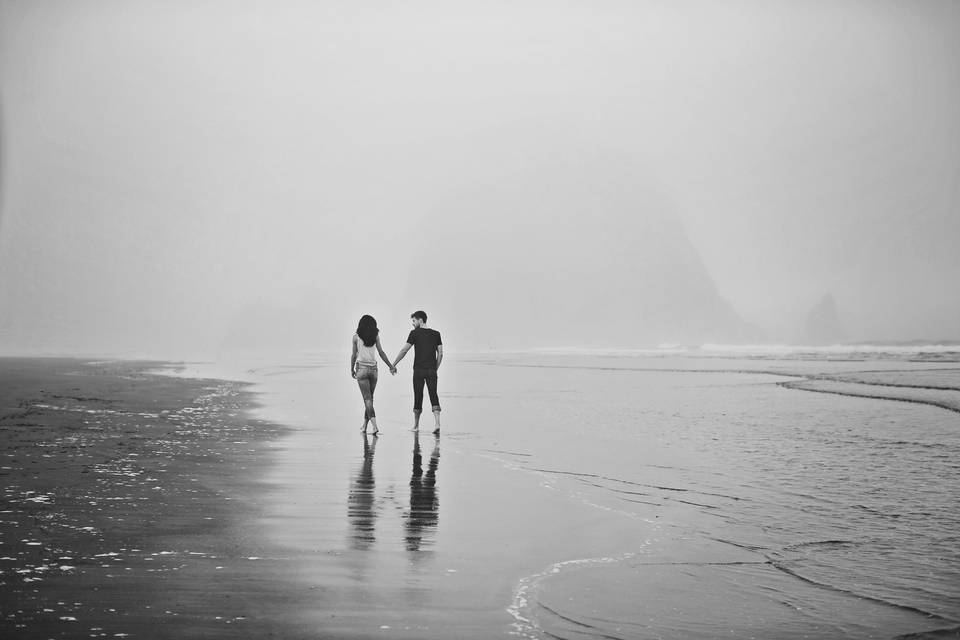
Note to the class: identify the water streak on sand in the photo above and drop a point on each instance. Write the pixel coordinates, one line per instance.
(630, 482)
(903, 607)
(778, 562)
(524, 603)
(943, 397)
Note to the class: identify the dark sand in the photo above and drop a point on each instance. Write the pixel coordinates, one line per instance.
(129, 506)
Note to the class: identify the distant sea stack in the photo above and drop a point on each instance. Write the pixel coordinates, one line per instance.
(823, 326)
(575, 252)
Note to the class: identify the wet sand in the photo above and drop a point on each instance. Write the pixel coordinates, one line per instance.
(614, 498)
(566, 498)
(129, 506)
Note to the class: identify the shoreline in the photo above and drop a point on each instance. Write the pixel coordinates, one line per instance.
(185, 516)
(131, 503)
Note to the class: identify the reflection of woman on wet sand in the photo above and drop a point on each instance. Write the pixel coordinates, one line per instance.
(424, 504)
(360, 501)
(363, 366)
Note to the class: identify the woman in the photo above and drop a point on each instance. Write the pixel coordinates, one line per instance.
(363, 366)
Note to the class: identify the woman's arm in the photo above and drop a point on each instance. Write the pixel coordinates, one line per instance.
(384, 357)
(353, 357)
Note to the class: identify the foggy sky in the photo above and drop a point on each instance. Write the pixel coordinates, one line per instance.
(172, 171)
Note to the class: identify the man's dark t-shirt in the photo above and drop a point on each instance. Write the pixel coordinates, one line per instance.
(425, 342)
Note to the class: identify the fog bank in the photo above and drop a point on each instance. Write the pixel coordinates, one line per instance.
(177, 179)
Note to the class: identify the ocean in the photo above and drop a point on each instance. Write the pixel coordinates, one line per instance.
(672, 493)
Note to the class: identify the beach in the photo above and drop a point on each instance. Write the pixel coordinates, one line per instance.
(119, 494)
(569, 495)
(682, 277)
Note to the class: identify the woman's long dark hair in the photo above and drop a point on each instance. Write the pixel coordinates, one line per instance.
(367, 330)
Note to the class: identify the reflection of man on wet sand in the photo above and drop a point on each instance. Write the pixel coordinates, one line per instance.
(424, 504)
(360, 501)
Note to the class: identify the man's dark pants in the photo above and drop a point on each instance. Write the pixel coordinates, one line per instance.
(428, 376)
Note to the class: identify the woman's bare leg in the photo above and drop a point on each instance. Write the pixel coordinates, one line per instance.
(366, 390)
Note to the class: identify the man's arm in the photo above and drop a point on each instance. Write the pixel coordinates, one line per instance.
(439, 355)
(402, 353)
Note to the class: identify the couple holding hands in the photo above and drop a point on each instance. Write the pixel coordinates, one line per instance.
(428, 353)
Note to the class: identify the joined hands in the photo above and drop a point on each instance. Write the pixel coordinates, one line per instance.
(353, 372)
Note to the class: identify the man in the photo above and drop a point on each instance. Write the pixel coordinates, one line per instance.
(428, 354)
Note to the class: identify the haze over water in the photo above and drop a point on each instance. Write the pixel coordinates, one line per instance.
(182, 180)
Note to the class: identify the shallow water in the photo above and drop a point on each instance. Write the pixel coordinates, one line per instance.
(581, 496)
